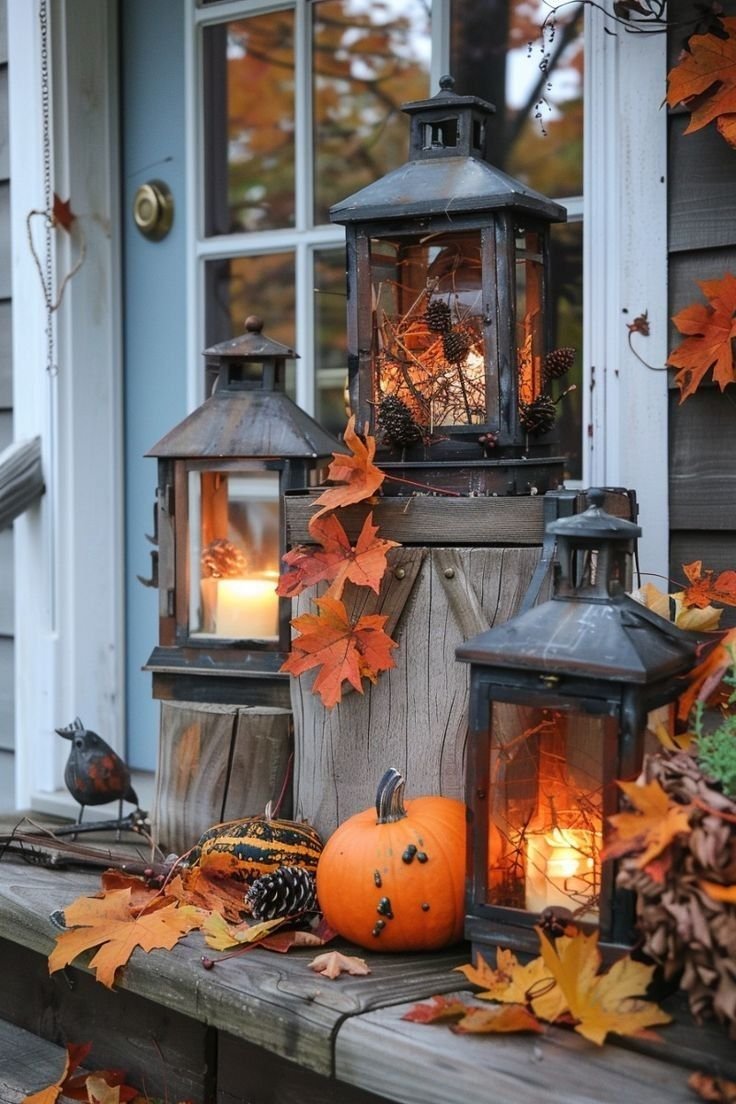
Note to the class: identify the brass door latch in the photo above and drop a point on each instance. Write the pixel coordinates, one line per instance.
(153, 209)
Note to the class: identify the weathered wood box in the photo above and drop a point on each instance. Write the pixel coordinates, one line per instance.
(464, 565)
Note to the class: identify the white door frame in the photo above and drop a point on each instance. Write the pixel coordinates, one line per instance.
(68, 571)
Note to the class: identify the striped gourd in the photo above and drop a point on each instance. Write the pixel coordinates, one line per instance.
(246, 849)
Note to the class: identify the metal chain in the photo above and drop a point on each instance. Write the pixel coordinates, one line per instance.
(51, 368)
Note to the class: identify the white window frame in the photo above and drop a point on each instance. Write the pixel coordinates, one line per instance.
(68, 573)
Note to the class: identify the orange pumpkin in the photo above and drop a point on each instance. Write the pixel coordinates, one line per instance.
(393, 878)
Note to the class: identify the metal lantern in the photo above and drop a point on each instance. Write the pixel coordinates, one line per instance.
(448, 320)
(559, 697)
(222, 474)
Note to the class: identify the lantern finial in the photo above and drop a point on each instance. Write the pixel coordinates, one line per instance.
(596, 497)
(447, 83)
(253, 323)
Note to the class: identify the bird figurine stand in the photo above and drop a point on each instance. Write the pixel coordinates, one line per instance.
(94, 773)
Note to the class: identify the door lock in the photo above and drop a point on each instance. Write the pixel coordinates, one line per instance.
(153, 209)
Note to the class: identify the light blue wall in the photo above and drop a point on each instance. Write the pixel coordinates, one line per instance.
(153, 137)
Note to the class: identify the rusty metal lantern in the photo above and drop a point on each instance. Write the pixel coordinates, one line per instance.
(222, 474)
(448, 316)
(559, 697)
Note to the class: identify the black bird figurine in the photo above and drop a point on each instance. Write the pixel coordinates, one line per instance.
(94, 773)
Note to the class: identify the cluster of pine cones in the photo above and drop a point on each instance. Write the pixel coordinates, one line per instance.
(685, 929)
(538, 416)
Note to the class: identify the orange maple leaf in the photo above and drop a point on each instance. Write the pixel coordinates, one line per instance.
(339, 561)
(650, 828)
(710, 330)
(344, 651)
(358, 476)
(600, 1002)
(107, 923)
(705, 679)
(439, 1009)
(704, 589)
(708, 70)
(62, 214)
(497, 1021)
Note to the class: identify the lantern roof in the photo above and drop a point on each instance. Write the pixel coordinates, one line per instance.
(447, 172)
(248, 414)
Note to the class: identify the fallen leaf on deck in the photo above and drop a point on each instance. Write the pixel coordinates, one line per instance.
(333, 963)
(75, 1055)
(358, 475)
(344, 652)
(496, 1021)
(441, 1009)
(99, 1092)
(716, 1089)
(336, 561)
(108, 923)
(601, 1003)
(651, 828)
(221, 936)
(530, 984)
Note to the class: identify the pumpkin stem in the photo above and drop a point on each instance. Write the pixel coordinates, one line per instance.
(390, 797)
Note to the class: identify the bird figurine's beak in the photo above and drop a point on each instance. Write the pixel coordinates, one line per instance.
(68, 731)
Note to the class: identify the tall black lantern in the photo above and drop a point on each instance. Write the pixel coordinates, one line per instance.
(222, 473)
(448, 315)
(559, 697)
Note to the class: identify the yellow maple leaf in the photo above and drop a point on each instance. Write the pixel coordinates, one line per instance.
(108, 923)
(650, 828)
(222, 936)
(511, 983)
(672, 608)
(600, 1003)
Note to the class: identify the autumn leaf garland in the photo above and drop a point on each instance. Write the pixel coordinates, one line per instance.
(709, 332)
(705, 81)
(329, 641)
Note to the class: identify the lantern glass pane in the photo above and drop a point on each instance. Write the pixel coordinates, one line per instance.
(529, 313)
(549, 795)
(427, 325)
(330, 355)
(234, 554)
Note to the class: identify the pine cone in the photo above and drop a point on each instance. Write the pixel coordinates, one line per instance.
(397, 423)
(538, 416)
(558, 362)
(438, 316)
(286, 891)
(222, 559)
(455, 346)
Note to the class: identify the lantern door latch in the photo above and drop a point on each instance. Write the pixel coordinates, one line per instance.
(153, 581)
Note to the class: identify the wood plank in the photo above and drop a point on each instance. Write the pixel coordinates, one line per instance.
(168, 1055)
(27, 1063)
(6, 355)
(415, 717)
(558, 1067)
(702, 480)
(272, 1000)
(702, 198)
(427, 520)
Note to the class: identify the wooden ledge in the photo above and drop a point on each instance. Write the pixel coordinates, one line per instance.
(258, 1014)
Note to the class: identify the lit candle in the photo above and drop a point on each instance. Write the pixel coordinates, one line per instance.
(247, 608)
(560, 870)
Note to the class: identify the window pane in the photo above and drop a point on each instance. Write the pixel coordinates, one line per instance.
(537, 131)
(262, 285)
(249, 123)
(330, 346)
(369, 58)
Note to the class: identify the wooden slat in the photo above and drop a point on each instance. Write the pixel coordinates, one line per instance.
(6, 353)
(434, 1066)
(415, 717)
(702, 480)
(702, 197)
(428, 520)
